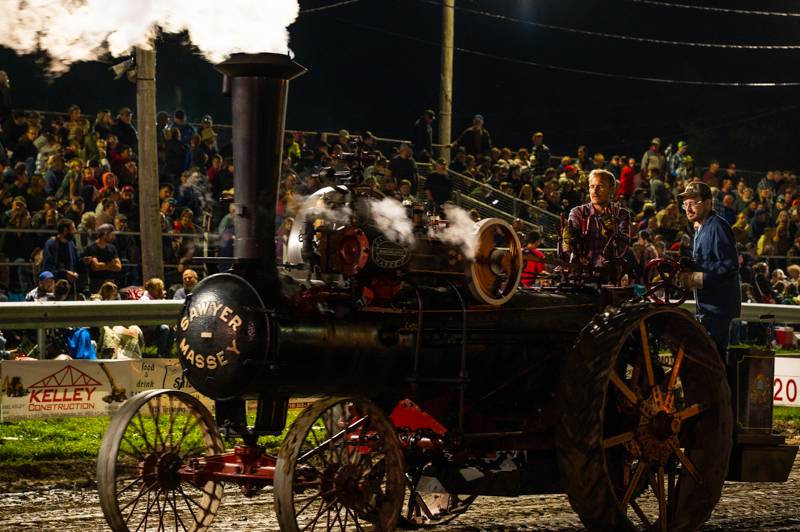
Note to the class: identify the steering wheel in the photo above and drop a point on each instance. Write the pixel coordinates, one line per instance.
(661, 282)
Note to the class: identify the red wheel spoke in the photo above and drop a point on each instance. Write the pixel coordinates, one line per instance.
(662, 499)
(633, 483)
(673, 379)
(619, 439)
(690, 412)
(671, 498)
(638, 511)
(686, 463)
(629, 394)
(655, 390)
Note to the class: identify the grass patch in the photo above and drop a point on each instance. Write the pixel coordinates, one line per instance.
(38, 448)
(786, 413)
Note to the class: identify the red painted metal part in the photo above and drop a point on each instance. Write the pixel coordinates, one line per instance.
(247, 465)
(252, 469)
(407, 415)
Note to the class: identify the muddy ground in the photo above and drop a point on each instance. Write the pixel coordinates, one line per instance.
(72, 506)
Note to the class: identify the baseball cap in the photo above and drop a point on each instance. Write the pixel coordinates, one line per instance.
(105, 229)
(127, 188)
(478, 117)
(696, 189)
(430, 113)
(656, 141)
(45, 275)
(682, 144)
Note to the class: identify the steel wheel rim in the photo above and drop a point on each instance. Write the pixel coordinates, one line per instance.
(138, 479)
(665, 477)
(337, 475)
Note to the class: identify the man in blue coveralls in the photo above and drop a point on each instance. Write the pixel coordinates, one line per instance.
(715, 280)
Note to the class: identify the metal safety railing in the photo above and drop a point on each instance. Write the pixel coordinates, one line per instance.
(489, 202)
(53, 314)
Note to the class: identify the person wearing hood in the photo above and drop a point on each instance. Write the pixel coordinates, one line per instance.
(109, 188)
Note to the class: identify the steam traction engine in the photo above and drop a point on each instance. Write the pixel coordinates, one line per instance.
(437, 378)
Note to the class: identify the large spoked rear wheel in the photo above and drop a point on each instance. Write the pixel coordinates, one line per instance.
(150, 438)
(646, 424)
(341, 467)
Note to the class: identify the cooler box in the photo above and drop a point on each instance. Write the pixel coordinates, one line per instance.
(784, 336)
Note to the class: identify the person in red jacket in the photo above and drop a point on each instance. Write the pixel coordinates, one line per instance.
(534, 259)
(626, 181)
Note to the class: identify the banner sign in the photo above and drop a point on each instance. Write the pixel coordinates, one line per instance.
(51, 388)
(64, 388)
(786, 391)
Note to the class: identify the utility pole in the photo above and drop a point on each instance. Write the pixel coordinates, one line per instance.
(149, 216)
(446, 92)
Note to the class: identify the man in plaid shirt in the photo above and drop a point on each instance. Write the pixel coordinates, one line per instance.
(597, 231)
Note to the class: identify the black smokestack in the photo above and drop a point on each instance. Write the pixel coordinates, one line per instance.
(258, 84)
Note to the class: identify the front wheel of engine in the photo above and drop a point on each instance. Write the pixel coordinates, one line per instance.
(645, 431)
(341, 467)
(151, 437)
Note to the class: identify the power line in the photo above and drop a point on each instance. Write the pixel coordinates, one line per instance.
(331, 6)
(554, 27)
(718, 9)
(609, 75)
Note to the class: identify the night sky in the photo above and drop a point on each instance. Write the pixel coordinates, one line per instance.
(371, 67)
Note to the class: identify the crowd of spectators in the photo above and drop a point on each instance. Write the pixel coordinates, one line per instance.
(69, 195)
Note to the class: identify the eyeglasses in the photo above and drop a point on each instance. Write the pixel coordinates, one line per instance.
(691, 203)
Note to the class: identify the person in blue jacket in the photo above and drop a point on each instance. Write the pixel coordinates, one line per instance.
(715, 279)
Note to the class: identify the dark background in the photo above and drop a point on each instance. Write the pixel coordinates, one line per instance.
(369, 68)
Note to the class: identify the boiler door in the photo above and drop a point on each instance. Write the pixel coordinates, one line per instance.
(223, 336)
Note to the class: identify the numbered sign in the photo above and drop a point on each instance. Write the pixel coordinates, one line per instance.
(786, 391)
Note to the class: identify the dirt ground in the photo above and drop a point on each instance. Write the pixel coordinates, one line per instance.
(66, 508)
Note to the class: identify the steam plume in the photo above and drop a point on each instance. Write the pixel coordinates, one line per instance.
(86, 30)
(391, 219)
(460, 231)
(314, 206)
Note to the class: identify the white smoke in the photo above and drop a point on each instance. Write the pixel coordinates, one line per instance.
(86, 30)
(315, 206)
(460, 231)
(391, 219)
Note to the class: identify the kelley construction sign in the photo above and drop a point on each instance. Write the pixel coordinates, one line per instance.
(47, 388)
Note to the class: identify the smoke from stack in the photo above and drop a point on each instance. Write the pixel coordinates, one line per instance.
(460, 231)
(391, 219)
(70, 31)
(314, 206)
